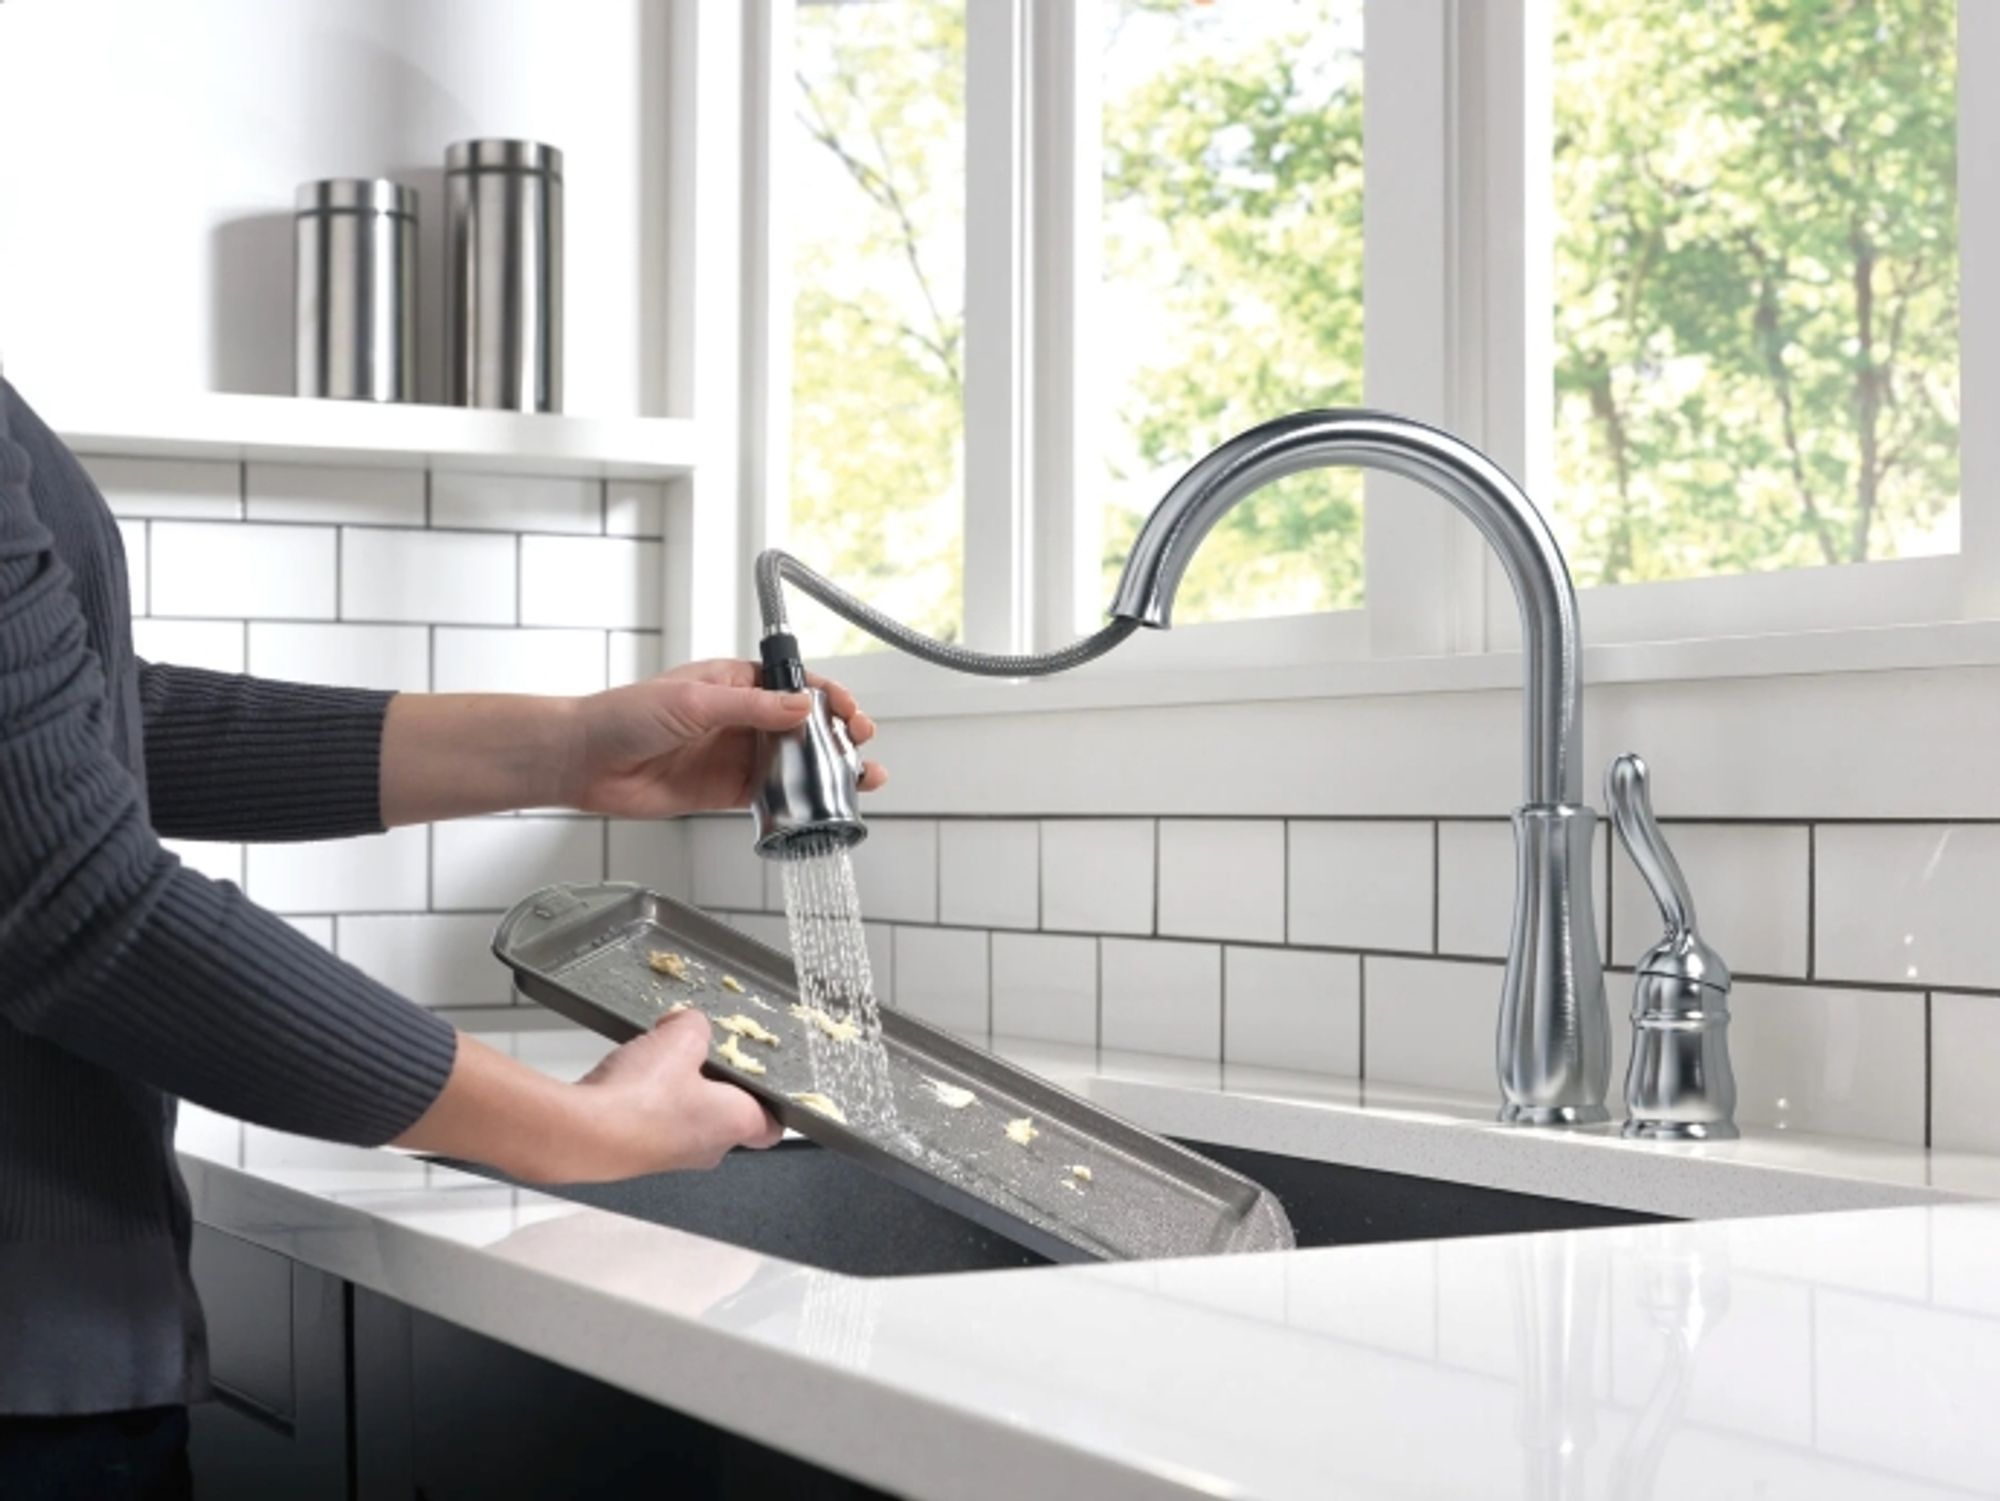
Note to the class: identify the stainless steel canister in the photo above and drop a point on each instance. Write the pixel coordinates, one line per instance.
(355, 289)
(503, 276)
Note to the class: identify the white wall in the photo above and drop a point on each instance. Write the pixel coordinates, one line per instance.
(152, 151)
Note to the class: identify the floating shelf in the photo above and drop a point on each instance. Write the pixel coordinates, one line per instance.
(305, 430)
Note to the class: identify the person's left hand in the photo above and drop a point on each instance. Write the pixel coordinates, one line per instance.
(685, 741)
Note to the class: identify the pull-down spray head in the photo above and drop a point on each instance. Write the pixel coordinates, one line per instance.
(808, 777)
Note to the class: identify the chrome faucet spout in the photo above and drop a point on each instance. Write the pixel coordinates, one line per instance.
(1554, 1040)
(1479, 488)
(1554, 1035)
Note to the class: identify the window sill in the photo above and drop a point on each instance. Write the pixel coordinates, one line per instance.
(898, 688)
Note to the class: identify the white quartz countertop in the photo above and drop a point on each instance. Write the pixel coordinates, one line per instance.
(1834, 1350)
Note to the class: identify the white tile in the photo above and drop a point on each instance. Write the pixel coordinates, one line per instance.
(600, 581)
(941, 977)
(726, 870)
(204, 1133)
(635, 507)
(450, 577)
(1361, 885)
(895, 869)
(498, 659)
(219, 862)
(1837, 1062)
(392, 657)
(1097, 875)
(1911, 903)
(437, 959)
(1045, 986)
(214, 644)
(1476, 886)
(378, 873)
(1965, 1065)
(772, 933)
(989, 874)
(334, 492)
(657, 853)
(1162, 997)
(1223, 878)
(516, 502)
(635, 656)
(1431, 1023)
(318, 929)
(132, 534)
(487, 864)
(1750, 889)
(271, 572)
(1286, 1009)
(196, 488)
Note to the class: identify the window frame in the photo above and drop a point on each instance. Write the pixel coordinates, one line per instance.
(1457, 281)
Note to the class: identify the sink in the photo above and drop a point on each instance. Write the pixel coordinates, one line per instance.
(808, 1205)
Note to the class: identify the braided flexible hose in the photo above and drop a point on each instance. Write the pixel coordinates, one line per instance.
(776, 568)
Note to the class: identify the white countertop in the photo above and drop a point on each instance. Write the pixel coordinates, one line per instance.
(1831, 1353)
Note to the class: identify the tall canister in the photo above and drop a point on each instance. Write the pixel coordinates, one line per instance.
(354, 267)
(503, 276)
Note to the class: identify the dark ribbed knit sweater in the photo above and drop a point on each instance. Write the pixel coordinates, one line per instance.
(127, 980)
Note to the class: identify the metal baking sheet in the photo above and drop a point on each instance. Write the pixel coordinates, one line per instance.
(585, 951)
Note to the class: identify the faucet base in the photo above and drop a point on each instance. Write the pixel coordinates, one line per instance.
(1555, 1115)
(1680, 1131)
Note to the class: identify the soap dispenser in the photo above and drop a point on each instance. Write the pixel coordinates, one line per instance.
(1679, 1086)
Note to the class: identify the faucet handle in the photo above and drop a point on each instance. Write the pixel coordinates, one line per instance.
(1628, 793)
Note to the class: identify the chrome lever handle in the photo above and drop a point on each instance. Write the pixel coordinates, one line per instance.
(1628, 793)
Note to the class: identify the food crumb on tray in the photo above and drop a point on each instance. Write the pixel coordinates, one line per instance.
(951, 1096)
(819, 1104)
(733, 985)
(840, 1029)
(748, 1026)
(1082, 1172)
(1022, 1131)
(669, 963)
(736, 1058)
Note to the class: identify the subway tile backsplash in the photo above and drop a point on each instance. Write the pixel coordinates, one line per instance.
(1869, 1002)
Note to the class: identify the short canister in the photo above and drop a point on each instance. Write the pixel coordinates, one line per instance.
(503, 275)
(355, 289)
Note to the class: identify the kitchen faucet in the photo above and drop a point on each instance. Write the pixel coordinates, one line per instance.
(1553, 1044)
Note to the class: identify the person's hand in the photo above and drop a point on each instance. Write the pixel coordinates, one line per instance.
(648, 1108)
(685, 742)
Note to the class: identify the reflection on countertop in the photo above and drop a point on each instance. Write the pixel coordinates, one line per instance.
(1814, 1354)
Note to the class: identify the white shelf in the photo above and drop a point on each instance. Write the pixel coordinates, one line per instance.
(302, 430)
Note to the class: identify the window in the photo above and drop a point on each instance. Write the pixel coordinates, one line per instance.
(1232, 266)
(1756, 285)
(876, 211)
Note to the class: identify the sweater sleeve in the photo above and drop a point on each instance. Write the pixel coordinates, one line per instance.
(243, 758)
(113, 950)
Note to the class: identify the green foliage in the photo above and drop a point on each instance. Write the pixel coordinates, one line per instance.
(1756, 283)
(878, 404)
(1232, 186)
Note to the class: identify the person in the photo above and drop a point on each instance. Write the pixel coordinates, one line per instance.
(128, 981)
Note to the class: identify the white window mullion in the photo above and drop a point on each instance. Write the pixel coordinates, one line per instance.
(1425, 563)
(1065, 204)
(1979, 310)
(767, 285)
(998, 524)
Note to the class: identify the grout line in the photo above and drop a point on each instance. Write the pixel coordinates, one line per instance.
(1159, 829)
(1285, 886)
(1098, 1044)
(518, 546)
(989, 985)
(428, 478)
(1222, 1015)
(1437, 885)
(1361, 1058)
(604, 508)
(1041, 899)
(1929, 1066)
(1812, 900)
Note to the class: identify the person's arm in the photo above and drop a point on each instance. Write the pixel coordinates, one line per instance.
(681, 742)
(109, 948)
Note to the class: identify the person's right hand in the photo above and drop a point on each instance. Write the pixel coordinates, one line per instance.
(650, 1109)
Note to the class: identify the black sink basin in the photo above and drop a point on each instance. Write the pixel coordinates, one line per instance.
(807, 1205)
